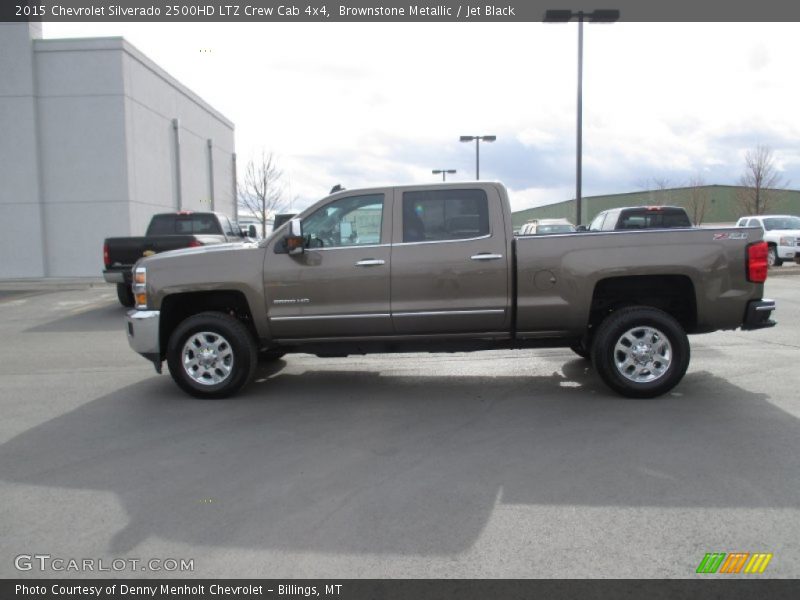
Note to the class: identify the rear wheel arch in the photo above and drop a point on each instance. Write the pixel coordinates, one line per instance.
(672, 294)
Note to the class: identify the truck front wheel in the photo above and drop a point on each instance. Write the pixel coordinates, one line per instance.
(641, 352)
(211, 355)
(125, 295)
(772, 257)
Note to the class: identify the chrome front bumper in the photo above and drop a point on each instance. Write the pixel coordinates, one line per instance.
(142, 328)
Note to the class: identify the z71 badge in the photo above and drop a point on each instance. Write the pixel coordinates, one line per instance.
(730, 236)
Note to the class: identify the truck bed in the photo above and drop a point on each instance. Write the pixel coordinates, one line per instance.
(557, 275)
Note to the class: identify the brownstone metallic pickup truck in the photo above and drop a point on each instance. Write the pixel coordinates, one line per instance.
(436, 268)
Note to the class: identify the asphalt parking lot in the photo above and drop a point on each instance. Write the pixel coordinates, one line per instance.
(497, 464)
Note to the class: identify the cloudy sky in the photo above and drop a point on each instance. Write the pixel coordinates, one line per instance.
(368, 103)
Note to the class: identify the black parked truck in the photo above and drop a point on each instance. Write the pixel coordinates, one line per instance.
(167, 231)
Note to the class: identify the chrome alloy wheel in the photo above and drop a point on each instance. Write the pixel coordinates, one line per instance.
(642, 354)
(207, 358)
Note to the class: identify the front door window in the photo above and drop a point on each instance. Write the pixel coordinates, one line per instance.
(351, 221)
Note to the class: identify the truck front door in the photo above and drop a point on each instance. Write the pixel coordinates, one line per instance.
(450, 263)
(339, 286)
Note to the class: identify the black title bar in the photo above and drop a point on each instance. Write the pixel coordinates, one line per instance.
(465, 11)
(397, 589)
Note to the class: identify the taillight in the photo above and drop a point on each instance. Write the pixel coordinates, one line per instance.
(757, 262)
(106, 257)
(195, 243)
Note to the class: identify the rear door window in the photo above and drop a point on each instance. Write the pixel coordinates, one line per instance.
(441, 215)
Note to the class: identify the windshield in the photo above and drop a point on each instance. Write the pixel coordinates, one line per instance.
(781, 223)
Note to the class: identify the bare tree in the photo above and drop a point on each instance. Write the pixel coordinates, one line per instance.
(699, 197)
(759, 181)
(262, 191)
(662, 184)
(658, 188)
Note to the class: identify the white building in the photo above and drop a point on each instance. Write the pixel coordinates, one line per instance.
(94, 139)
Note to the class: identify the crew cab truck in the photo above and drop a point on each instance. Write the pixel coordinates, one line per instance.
(781, 233)
(167, 231)
(436, 268)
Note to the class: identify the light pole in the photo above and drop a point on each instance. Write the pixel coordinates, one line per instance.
(444, 172)
(565, 16)
(478, 139)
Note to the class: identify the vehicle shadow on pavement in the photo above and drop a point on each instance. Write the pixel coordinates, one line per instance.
(104, 318)
(360, 462)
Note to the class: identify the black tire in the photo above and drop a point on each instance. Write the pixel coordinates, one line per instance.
(581, 350)
(650, 371)
(772, 257)
(125, 295)
(237, 345)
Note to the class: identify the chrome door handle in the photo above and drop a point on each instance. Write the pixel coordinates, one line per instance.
(486, 256)
(370, 262)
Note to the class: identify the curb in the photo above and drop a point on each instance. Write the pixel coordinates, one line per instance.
(52, 283)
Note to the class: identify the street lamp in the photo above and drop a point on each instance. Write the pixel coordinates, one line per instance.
(564, 16)
(478, 139)
(444, 172)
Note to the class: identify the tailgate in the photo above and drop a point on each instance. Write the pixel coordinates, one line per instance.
(126, 251)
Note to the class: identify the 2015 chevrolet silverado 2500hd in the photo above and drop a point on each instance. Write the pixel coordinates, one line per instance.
(437, 268)
(167, 231)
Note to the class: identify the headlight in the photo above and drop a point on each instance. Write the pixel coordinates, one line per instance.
(140, 287)
(787, 241)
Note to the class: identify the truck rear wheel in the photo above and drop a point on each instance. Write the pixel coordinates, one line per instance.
(211, 355)
(641, 352)
(125, 295)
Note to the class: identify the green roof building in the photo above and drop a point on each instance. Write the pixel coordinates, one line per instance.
(721, 204)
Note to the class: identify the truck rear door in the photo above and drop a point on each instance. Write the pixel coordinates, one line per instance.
(450, 263)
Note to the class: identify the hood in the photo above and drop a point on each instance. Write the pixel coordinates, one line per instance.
(197, 251)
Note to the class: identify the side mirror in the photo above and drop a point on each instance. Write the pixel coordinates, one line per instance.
(251, 231)
(294, 239)
(581, 228)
